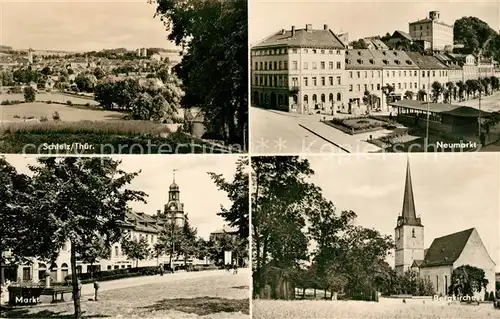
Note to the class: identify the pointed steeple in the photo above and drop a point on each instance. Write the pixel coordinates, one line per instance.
(408, 214)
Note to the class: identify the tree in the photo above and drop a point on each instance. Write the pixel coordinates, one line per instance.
(215, 60)
(421, 95)
(77, 196)
(29, 94)
(359, 44)
(85, 82)
(280, 199)
(46, 71)
(99, 73)
(94, 250)
(237, 191)
(188, 242)
(141, 107)
(466, 280)
(388, 90)
(370, 99)
(437, 90)
(169, 240)
(6, 78)
(136, 249)
(409, 95)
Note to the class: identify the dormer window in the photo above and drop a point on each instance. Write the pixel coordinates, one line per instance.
(360, 61)
(408, 61)
(396, 61)
(348, 61)
(395, 53)
(385, 61)
(384, 53)
(371, 61)
(360, 53)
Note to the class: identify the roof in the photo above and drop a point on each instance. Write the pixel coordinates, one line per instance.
(225, 229)
(402, 34)
(303, 38)
(417, 263)
(141, 222)
(448, 60)
(376, 42)
(442, 108)
(378, 59)
(426, 20)
(408, 215)
(426, 62)
(446, 250)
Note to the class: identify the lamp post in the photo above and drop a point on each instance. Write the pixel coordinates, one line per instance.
(426, 141)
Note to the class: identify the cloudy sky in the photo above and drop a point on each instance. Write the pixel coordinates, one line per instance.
(360, 18)
(199, 194)
(80, 25)
(452, 192)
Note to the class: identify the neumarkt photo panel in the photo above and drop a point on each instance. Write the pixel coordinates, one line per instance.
(124, 237)
(373, 76)
(123, 77)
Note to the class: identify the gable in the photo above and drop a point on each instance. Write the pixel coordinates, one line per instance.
(475, 254)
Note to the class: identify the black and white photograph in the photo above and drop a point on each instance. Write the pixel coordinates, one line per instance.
(392, 236)
(125, 237)
(123, 77)
(374, 76)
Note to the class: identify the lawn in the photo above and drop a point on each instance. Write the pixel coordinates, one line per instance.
(37, 110)
(311, 309)
(215, 297)
(54, 97)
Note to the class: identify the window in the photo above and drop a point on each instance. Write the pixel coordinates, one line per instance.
(372, 74)
(350, 74)
(359, 87)
(339, 97)
(256, 65)
(378, 87)
(358, 74)
(116, 251)
(275, 65)
(415, 85)
(388, 74)
(109, 267)
(423, 74)
(350, 87)
(314, 81)
(330, 65)
(286, 65)
(372, 87)
(399, 73)
(415, 73)
(405, 85)
(281, 65)
(322, 51)
(366, 87)
(322, 65)
(314, 51)
(338, 65)
(393, 73)
(294, 65)
(330, 79)
(399, 86)
(116, 267)
(261, 66)
(366, 74)
(314, 66)
(404, 73)
(339, 80)
(410, 85)
(306, 66)
(295, 81)
(323, 82)
(433, 73)
(413, 233)
(338, 52)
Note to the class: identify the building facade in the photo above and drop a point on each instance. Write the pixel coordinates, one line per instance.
(433, 30)
(299, 70)
(444, 254)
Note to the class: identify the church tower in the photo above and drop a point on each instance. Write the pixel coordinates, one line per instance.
(174, 209)
(409, 231)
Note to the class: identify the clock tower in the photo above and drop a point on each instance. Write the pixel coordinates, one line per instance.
(409, 231)
(174, 209)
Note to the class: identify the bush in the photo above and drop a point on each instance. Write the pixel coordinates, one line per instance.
(44, 119)
(56, 116)
(492, 296)
(49, 102)
(69, 102)
(13, 102)
(29, 94)
(17, 116)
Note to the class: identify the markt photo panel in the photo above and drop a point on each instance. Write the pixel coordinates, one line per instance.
(123, 77)
(129, 237)
(392, 236)
(374, 76)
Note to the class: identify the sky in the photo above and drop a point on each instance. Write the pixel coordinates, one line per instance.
(81, 25)
(201, 198)
(452, 192)
(360, 18)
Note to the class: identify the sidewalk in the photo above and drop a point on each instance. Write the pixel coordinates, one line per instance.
(349, 143)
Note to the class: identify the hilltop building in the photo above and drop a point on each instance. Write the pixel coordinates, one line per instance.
(445, 253)
(434, 31)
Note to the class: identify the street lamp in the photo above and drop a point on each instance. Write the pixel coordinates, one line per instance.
(426, 141)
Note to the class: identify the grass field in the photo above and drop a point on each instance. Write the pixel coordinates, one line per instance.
(222, 296)
(54, 97)
(311, 309)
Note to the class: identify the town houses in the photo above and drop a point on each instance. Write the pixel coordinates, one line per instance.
(308, 70)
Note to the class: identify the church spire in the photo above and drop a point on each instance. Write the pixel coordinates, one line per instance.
(408, 214)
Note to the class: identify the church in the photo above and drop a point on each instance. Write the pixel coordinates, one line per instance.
(445, 254)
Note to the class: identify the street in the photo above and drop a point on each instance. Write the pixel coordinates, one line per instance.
(289, 133)
(186, 295)
(490, 103)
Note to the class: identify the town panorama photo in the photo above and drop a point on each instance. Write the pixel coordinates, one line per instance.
(123, 77)
(358, 77)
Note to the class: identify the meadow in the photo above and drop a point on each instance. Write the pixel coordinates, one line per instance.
(320, 309)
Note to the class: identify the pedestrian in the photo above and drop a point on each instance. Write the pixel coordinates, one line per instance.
(79, 288)
(96, 287)
(235, 269)
(161, 269)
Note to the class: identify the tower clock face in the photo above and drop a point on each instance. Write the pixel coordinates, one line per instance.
(172, 207)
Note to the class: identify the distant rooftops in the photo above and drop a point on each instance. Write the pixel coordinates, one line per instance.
(307, 37)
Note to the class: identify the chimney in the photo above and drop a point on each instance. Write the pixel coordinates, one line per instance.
(293, 30)
(325, 27)
(308, 27)
(283, 32)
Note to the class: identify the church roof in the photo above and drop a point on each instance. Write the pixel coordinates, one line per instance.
(174, 186)
(446, 250)
(408, 214)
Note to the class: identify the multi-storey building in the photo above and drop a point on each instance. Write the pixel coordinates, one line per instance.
(372, 70)
(135, 226)
(299, 70)
(431, 29)
(455, 71)
(467, 62)
(431, 70)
